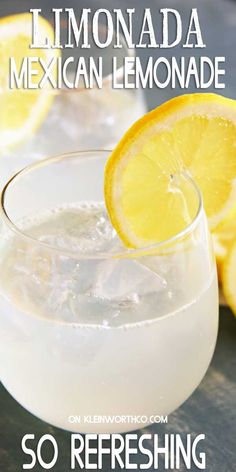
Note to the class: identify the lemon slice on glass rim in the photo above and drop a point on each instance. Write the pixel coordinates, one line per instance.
(22, 111)
(148, 197)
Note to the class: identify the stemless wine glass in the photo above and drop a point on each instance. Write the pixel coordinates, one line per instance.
(87, 326)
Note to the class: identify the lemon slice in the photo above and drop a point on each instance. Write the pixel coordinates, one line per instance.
(148, 193)
(22, 111)
(229, 277)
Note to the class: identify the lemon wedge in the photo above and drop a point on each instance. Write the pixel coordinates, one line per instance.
(228, 275)
(220, 251)
(223, 238)
(22, 111)
(148, 194)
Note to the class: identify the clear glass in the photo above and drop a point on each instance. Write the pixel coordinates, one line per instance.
(87, 326)
(71, 119)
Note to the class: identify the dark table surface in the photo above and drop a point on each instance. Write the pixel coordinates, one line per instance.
(210, 410)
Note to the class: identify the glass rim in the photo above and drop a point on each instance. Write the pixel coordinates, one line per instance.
(126, 253)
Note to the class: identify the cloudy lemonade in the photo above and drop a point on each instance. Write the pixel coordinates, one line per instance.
(101, 336)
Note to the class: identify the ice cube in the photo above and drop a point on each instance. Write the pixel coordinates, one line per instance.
(80, 228)
(120, 279)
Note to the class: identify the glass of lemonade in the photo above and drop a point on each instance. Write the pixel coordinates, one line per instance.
(72, 119)
(87, 326)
